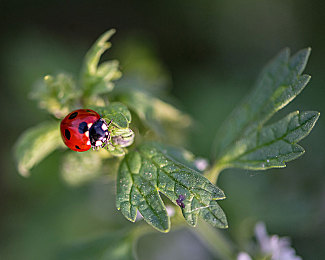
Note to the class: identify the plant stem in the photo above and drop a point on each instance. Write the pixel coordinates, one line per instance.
(213, 173)
(213, 238)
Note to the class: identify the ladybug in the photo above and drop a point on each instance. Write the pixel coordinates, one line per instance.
(83, 129)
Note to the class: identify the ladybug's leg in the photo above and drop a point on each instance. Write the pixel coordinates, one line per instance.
(109, 123)
(106, 141)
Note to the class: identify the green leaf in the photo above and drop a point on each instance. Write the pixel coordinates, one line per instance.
(97, 79)
(56, 94)
(149, 170)
(279, 83)
(245, 142)
(117, 245)
(272, 145)
(117, 112)
(79, 168)
(119, 118)
(154, 112)
(35, 144)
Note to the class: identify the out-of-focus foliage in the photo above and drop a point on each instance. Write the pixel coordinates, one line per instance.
(243, 140)
(97, 79)
(35, 144)
(272, 145)
(211, 50)
(118, 245)
(150, 168)
(79, 168)
(56, 94)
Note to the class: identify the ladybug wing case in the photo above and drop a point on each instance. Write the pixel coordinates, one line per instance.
(73, 139)
(74, 129)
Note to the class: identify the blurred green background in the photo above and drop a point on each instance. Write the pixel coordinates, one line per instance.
(212, 52)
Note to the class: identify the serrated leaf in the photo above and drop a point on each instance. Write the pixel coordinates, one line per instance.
(279, 83)
(117, 112)
(35, 144)
(149, 170)
(117, 245)
(97, 79)
(272, 145)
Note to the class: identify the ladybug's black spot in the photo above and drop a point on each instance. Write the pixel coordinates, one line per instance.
(67, 134)
(83, 127)
(77, 147)
(88, 110)
(73, 115)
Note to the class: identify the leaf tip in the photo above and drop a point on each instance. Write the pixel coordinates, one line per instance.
(107, 35)
(221, 198)
(23, 171)
(165, 230)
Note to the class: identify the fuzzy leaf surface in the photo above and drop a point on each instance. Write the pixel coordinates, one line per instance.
(56, 94)
(149, 170)
(117, 112)
(79, 168)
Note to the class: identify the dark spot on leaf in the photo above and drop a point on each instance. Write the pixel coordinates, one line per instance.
(181, 197)
(180, 200)
(67, 134)
(73, 115)
(181, 204)
(83, 127)
(77, 147)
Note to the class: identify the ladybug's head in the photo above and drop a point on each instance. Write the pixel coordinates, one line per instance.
(98, 134)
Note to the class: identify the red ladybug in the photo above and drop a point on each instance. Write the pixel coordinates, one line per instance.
(83, 129)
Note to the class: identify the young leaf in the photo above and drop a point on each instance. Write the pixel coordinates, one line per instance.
(117, 112)
(97, 79)
(149, 170)
(56, 94)
(35, 144)
(272, 145)
(117, 245)
(120, 118)
(279, 83)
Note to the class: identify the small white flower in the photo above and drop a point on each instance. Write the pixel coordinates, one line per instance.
(243, 256)
(170, 210)
(201, 164)
(278, 248)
